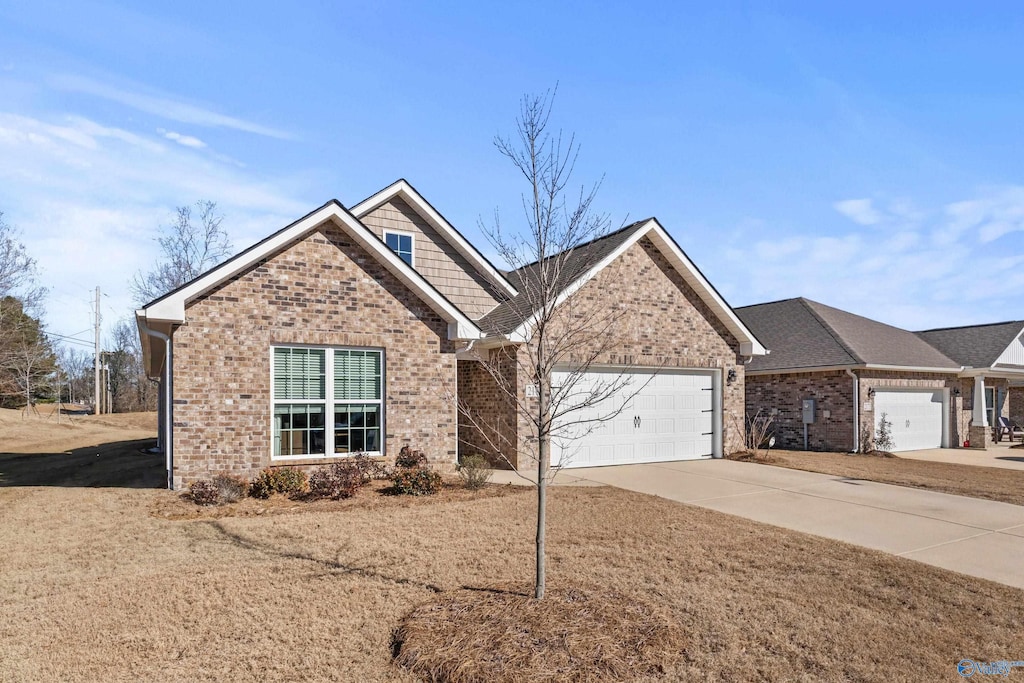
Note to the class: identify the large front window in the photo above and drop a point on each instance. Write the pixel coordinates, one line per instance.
(327, 401)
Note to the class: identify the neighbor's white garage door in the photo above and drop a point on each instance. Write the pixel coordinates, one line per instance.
(670, 417)
(916, 417)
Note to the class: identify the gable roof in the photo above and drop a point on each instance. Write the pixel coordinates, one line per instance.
(806, 335)
(401, 188)
(978, 346)
(170, 308)
(514, 318)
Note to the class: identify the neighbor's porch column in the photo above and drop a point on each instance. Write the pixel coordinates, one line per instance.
(979, 433)
(980, 414)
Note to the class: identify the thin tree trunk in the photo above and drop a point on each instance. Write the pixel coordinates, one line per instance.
(543, 462)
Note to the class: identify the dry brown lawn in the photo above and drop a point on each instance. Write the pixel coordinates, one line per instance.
(95, 584)
(992, 483)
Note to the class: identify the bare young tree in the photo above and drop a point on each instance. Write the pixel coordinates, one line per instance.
(130, 389)
(188, 249)
(76, 366)
(561, 243)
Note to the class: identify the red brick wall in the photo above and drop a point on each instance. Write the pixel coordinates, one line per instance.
(833, 391)
(486, 422)
(323, 290)
(1016, 404)
(781, 396)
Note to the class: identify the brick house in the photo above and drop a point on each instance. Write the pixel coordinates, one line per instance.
(992, 357)
(832, 374)
(360, 330)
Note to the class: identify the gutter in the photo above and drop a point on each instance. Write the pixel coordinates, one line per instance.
(865, 366)
(856, 410)
(168, 440)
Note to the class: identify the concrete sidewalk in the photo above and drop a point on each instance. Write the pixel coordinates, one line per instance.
(968, 535)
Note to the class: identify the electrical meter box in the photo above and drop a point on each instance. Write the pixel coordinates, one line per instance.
(808, 411)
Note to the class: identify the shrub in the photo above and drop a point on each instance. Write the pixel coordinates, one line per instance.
(204, 492)
(369, 468)
(475, 471)
(230, 488)
(408, 458)
(286, 480)
(337, 480)
(416, 481)
(883, 437)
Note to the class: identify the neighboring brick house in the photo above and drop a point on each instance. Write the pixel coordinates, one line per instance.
(854, 369)
(359, 330)
(992, 357)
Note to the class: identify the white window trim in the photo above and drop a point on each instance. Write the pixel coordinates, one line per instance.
(412, 243)
(329, 402)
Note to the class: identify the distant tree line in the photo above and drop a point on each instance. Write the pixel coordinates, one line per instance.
(33, 368)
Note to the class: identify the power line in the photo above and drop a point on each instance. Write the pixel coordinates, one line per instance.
(72, 337)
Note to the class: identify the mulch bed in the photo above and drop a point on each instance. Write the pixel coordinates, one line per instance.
(501, 635)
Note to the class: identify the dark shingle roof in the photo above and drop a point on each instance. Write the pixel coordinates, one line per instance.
(977, 346)
(806, 334)
(507, 316)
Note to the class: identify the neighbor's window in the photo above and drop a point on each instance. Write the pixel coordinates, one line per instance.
(312, 414)
(400, 243)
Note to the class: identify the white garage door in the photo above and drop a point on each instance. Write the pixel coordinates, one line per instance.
(916, 417)
(664, 416)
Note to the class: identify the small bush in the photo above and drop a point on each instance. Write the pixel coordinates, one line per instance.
(475, 471)
(204, 492)
(416, 481)
(337, 480)
(408, 458)
(230, 488)
(285, 480)
(883, 437)
(369, 468)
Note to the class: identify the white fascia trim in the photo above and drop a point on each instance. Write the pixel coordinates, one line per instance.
(172, 308)
(994, 372)
(749, 346)
(404, 190)
(869, 366)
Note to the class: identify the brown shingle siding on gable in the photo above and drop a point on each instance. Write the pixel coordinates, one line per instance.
(322, 291)
(435, 259)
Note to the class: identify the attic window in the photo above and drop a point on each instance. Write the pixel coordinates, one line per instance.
(400, 243)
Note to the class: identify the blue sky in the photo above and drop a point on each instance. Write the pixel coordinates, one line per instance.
(867, 157)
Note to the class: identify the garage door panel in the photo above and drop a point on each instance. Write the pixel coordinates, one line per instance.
(916, 417)
(675, 421)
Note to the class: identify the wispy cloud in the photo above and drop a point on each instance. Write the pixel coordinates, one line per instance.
(163, 106)
(955, 264)
(89, 199)
(186, 140)
(859, 211)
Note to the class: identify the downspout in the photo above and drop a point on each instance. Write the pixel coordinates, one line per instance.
(856, 410)
(167, 400)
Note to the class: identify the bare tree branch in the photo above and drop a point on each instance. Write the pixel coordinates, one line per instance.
(188, 249)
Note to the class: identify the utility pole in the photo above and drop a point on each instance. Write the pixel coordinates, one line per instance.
(96, 362)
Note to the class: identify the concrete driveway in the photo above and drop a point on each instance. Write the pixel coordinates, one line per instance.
(969, 535)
